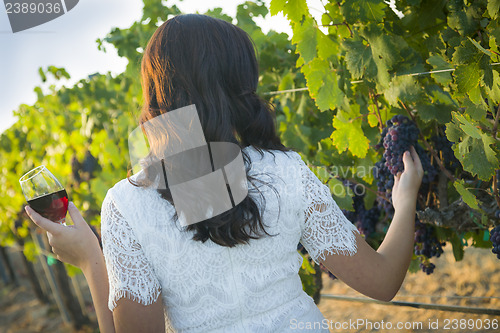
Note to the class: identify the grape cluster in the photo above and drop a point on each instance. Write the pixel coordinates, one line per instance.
(89, 163)
(368, 220)
(365, 220)
(495, 240)
(427, 267)
(85, 170)
(397, 137)
(75, 168)
(400, 135)
(497, 212)
(442, 146)
(426, 241)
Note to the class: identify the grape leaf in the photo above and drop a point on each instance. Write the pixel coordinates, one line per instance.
(363, 10)
(493, 8)
(326, 46)
(467, 78)
(453, 132)
(349, 135)
(439, 112)
(359, 59)
(404, 88)
(458, 247)
(322, 84)
(475, 111)
(465, 53)
(304, 36)
(438, 63)
(466, 126)
(467, 196)
(460, 20)
(484, 64)
(477, 157)
(294, 10)
(337, 188)
(384, 52)
(493, 92)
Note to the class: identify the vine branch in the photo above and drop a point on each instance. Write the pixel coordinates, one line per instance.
(495, 125)
(374, 98)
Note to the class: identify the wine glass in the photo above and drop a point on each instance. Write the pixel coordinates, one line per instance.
(45, 194)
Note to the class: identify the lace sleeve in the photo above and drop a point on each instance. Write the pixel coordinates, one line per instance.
(326, 230)
(129, 272)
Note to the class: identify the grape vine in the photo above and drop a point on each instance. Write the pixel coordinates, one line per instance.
(426, 75)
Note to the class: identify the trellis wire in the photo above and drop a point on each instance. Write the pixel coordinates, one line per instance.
(443, 296)
(439, 307)
(359, 81)
(450, 296)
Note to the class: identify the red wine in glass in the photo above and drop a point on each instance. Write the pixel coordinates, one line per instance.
(45, 194)
(52, 206)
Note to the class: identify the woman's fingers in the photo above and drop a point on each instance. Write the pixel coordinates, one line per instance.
(417, 162)
(42, 222)
(408, 161)
(76, 216)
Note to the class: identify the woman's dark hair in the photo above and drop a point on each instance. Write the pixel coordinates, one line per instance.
(208, 62)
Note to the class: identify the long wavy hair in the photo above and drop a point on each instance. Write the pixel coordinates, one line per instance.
(208, 62)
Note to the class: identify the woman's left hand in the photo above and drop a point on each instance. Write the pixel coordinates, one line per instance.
(74, 244)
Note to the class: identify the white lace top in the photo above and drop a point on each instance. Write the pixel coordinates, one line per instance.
(210, 288)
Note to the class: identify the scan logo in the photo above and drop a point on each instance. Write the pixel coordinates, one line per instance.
(26, 14)
(205, 178)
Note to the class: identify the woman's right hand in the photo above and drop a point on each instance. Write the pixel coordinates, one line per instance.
(74, 244)
(407, 184)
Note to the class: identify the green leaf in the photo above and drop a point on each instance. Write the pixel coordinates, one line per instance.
(304, 36)
(453, 132)
(363, 10)
(438, 63)
(337, 188)
(477, 157)
(344, 202)
(404, 88)
(485, 66)
(276, 6)
(359, 59)
(467, 78)
(474, 68)
(306, 265)
(349, 135)
(384, 52)
(493, 92)
(414, 265)
(439, 112)
(493, 8)
(327, 47)
(322, 84)
(476, 112)
(468, 127)
(465, 53)
(42, 74)
(458, 247)
(472, 146)
(467, 196)
(294, 10)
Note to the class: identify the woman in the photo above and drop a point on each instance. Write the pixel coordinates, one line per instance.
(237, 271)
